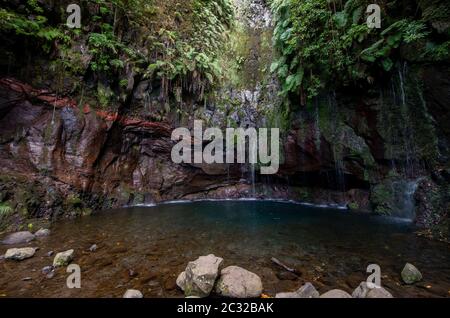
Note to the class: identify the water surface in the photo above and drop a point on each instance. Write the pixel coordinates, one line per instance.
(147, 247)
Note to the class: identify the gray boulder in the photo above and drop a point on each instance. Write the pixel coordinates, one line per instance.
(199, 276)
(336, 293)
(19, 238)
(410, 274)
(19, 254)
(63, 258)
(236, 282)
(133, 293)
(306, 291)
(365, 291)
(42, 233)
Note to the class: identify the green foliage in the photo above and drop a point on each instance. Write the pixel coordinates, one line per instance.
(192, 54)
(5, 209)
(324, 42)
(29, 21)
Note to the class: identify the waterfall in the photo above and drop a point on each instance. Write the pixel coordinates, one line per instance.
(408, 131)
(405, 199)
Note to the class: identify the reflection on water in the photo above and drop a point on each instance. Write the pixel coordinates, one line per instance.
(147, 247)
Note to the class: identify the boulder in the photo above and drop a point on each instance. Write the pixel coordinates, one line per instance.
(306, 291)
(19, 254)
(133, 293)
(236, 282)
(410, 274)
(19, 238)
(42, 233)
(63, 258)
(336, 293)
(364, 291)
(199, 276)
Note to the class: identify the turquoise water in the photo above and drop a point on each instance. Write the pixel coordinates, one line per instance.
(147, 247)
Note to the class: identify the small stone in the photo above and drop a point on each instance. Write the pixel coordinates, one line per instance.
(133, 293)
(93, 248)
(306, 291)
(49, 254)
(26, 279)
(19, 238)
(51, 274)
(410, 274)
(63, 258)
(336, 293)
(236, 282)
(47, 269)
(19, 254)
(42, 233)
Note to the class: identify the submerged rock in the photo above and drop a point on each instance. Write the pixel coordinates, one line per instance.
(237, 282)
(19, 238)
(63, 258)
(19, 254)
(200, 275)
(410, 274)
(336, 293)
(364, 291)
(48, 271)
(306, 291)
(42, 233)
(133, 293)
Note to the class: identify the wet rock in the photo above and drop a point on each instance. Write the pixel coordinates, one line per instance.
(47, 269)
(42, 233)
(365, 291)
(410, 274)
(237, 282)
(133, 293)
(336, 293)
(63, 258)
(287, 295)
(19, 238)
(93, 248)
(200, 275)
(19, 254)
(306, 291)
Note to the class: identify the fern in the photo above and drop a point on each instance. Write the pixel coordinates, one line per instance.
(5, 209)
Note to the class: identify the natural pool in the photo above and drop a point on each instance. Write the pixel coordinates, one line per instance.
(146, 248)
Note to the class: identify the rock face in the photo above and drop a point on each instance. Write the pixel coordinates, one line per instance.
(237, 282)
(63, 258)
(200, 275)
(19, 238)
(410, 274)
(306, 291)
(133, 293)
(336, 293)
(363, 291)
(42, 233)
(19, 254)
